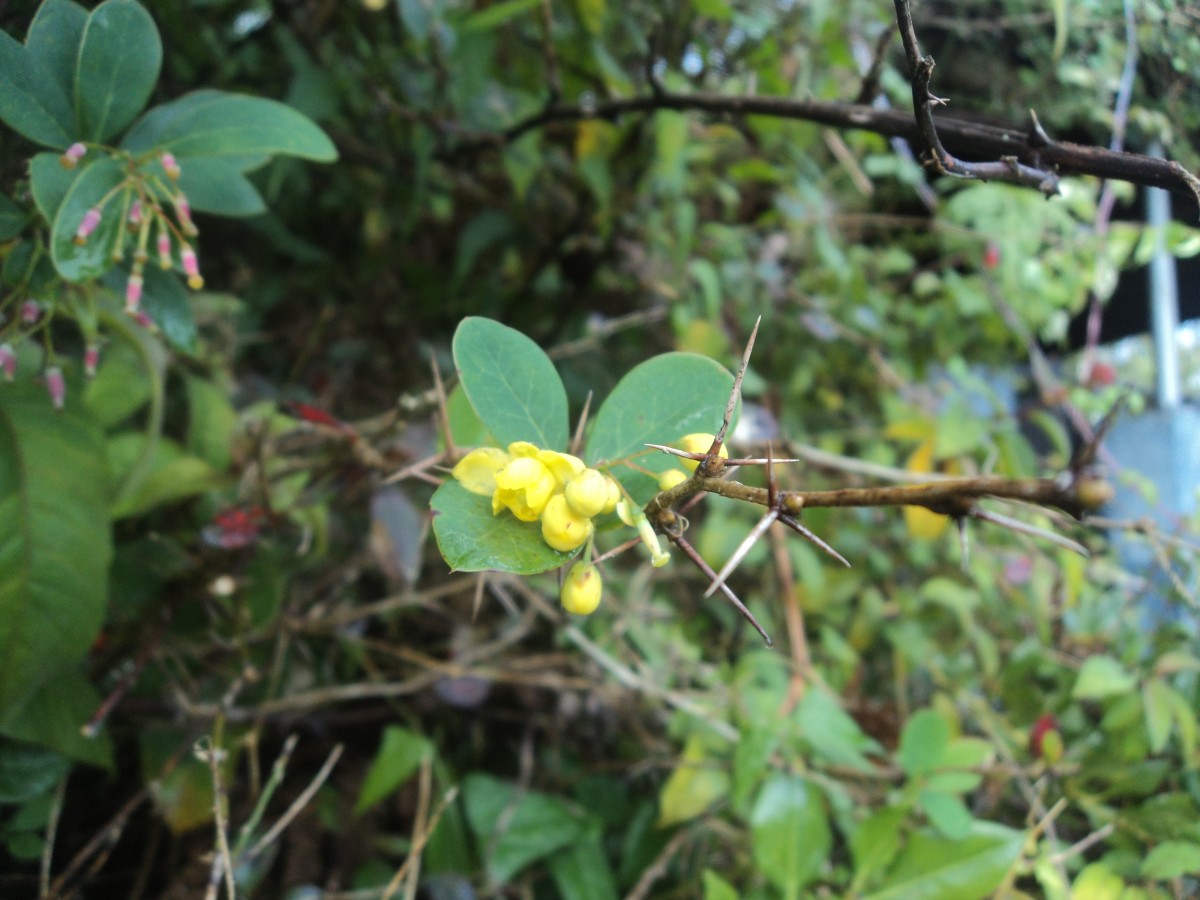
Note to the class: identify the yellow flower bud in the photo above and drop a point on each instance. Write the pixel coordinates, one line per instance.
(698, 443)
(671, 478)
(523, 486)
(563, 466)
(614, 495)
(627, 512)
(477, 470)
(587, 493)
(581, 589)
(562, 528)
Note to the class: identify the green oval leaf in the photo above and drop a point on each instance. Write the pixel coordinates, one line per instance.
(49, 183)
(214, 123)
(92, 259)
(924, 740)
(119, 57)
(934, 868)
(54, 39)
(55, 541)
(216, 185)
(512, 384)
(659, 402)
(473, 540)
(791, 832)
(32, 102)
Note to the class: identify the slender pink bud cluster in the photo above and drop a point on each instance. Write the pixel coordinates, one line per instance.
(31, 311)
(56, 387)
(8, 361)
(170, 166)
(135, 214)
(90, 220)
(164, 249)
(183, 211)
(133, 292)
(91, 359)
(191, 267)
(73, 155)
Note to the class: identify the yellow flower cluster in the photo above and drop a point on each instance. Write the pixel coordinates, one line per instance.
(535, 484)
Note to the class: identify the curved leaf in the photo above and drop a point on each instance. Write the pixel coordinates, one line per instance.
(119, 57)
(49, 183)
(32, 102)
(12, 219)
(92, 259)
(55, 542)
(791, 832)
(473, 540)
(214, 123)
(54, 38)
(512, 384)
(658, 401)
(933, 868)
(216, 185)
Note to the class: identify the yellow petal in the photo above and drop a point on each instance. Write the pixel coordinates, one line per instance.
(563, 466)
(477, 470)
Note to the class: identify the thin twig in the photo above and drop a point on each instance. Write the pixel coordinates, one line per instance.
(298, 804)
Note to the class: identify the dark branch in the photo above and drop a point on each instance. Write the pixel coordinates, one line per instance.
(963, 139)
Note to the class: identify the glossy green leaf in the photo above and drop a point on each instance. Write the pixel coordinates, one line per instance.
(55, 540)
(516, 829)
(512, 384)
(1172, 859)
(12, 219)
(49, 183)
(215, 123)
(923, 742)
(91, 260)
(716, 887)
(790, 832)
(169, 304)
(54, 38)
(27, 770)
(931, 867)
(465, 426)
(1101, 677)
(695, 784)
(399, 756)
(32, 102)
(1156, 699)
(581, 871)
(55, 715)
(119, 57)
(471, 539)
(216, 185)
(875, 844)
(947, 813)
(659, 401)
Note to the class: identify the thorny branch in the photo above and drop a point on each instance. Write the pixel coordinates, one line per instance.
(1028, 156)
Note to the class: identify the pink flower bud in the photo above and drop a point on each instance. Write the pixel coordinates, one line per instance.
(90, 220)
(135, 213)
(183, 210)
(164, 250)
(8, 361)
(144, 320)
(56, 387)
(191, 268)
(133, 293)
(31, 311)
(91, 359)
(170, 166)
(74, 154)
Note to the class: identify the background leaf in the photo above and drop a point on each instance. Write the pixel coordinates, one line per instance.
(119, 58)
(512, 384)
(32, 102)
(93, 258)
(790, 832)
(55, 543)
(933, 868)
(658, 401)
(12, 219)
(55, 715)
(399, 756)
(471, 539)
(215, 123)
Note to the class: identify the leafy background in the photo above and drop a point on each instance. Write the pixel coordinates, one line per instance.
(655, 749)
